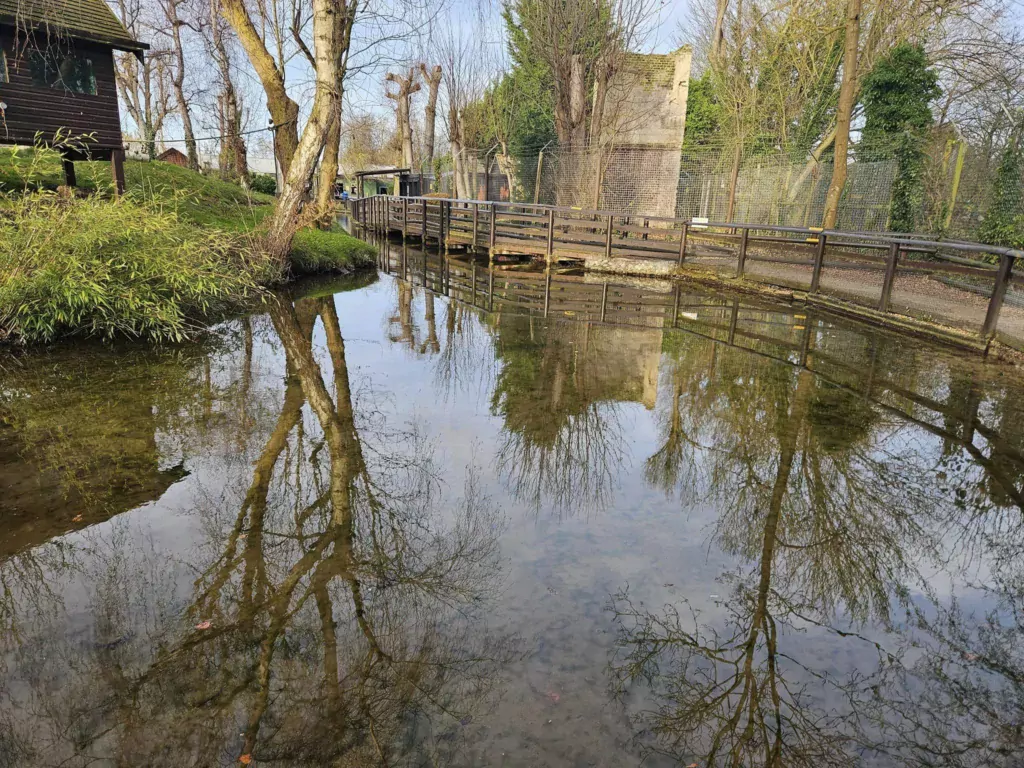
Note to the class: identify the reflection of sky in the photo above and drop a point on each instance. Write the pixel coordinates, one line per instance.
(559, 569)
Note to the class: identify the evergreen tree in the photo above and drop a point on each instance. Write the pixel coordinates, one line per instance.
(896, 95)
(1003, 224)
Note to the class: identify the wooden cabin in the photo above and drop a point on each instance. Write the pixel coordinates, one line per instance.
(57, 82)
(174, 157)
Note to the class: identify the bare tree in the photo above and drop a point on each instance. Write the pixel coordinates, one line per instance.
(844, 112)
(233, 155)
(432, 77)
(143, 84)
(171, 11)
(331, 31)
(407, 85)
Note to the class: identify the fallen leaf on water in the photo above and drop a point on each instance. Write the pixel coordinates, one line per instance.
(207, 625)
(76, 519)
(692, 765)
(553, 696)
(246, 758)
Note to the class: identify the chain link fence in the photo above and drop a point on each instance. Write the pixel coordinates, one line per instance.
(773, 187)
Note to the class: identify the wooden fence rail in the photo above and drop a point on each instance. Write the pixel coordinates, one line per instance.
(554, 232)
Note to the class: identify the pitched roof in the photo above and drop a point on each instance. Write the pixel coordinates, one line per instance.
(86, 19)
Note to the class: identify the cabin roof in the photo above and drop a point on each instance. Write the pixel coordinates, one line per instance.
(91, 20)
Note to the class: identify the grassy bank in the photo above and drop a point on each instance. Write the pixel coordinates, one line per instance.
(177, 249)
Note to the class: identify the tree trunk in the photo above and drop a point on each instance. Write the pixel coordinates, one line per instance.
(433, 80)
(328, 34)
(282, 108)
(329, 171)
(734, 177)
(179, 86)
(577, 104)
(718, 35)
(407, 86)
(844, 113)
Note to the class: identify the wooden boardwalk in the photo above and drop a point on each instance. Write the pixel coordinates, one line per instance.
(871, 270)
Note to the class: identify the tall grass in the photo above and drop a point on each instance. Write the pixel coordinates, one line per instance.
(115, 267)
(175, 250)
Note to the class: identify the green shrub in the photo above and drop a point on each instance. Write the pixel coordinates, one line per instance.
(263, 183)
(317, 250)
(115, 267)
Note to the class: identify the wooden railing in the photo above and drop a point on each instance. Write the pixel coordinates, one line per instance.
(746, 250)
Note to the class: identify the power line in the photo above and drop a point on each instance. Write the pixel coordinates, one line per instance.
(164, 140)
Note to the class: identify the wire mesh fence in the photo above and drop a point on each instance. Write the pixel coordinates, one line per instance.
(775, 188)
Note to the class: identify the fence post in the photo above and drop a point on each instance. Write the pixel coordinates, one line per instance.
(472, 300)
(819, 260)
(604, 300)
(476, 216)
(490, 287)
(405, 217)
(890, 277)
(547, 290)
(741, 260)
(675, 308)
(536, 184)
(608, 237)
(995, 304)
(682, 243)
(423, 235)
(492, 235)
(550, 251)
(733, 320)
(446, 223)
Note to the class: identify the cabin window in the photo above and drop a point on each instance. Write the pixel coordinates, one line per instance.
(65, 70)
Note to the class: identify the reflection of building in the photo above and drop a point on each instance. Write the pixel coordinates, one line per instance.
(60, 479)
(620, 363)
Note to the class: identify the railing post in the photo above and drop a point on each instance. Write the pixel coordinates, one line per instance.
(647, 225)
(493, 233)
(476, 217)
(423, 235)
(608, 237)
(472, 300)
(733, 320)
(550, 250)
(405, 217)
(890, 277)
(819, 260)
(995, 304)
(490, 287)
(446, 217)
(547, 290)
(682, 242)
(675, 308)
(604, 300)
(741, 260)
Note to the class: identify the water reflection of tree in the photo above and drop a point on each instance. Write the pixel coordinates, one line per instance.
(833, 503)
(562, 442)
(341, 604)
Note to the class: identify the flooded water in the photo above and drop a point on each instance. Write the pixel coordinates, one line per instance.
(378, 525)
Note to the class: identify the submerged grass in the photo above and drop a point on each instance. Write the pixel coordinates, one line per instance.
(178, 248)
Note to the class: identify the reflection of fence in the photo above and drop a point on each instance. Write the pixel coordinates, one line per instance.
(881, 271)
(786, 334)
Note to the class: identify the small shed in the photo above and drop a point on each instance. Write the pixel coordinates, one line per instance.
(57, 79)
(174, 157)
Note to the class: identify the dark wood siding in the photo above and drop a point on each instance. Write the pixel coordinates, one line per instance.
(47, 110)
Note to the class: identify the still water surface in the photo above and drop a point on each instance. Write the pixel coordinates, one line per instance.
(377, 526)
